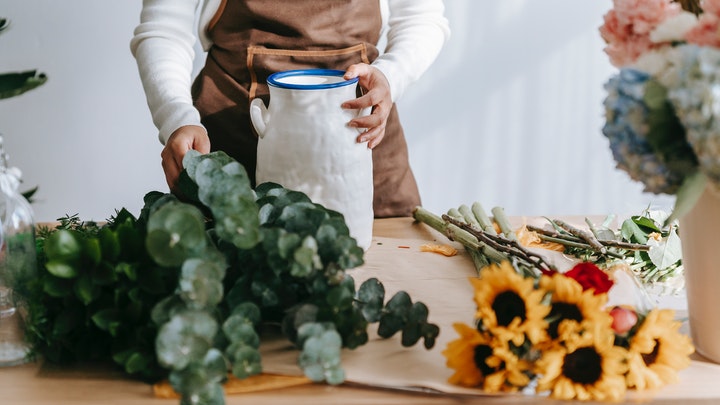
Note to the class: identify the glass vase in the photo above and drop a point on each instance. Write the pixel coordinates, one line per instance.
(18, 264)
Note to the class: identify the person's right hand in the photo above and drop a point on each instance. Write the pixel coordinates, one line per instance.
(177, 145)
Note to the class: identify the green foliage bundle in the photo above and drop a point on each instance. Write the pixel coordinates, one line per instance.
(185, 290)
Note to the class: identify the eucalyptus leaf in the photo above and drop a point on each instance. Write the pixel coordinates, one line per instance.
(246, 362)
(340, 298)
(667, 252)
(240, 330)
(371, 297)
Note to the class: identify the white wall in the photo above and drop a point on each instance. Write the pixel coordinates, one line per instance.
(509, 115)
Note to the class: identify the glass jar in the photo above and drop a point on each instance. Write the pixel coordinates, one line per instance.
(18, 264)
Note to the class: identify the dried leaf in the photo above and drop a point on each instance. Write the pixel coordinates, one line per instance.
(445, 250)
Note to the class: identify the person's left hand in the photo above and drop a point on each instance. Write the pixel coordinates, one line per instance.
(377, 96)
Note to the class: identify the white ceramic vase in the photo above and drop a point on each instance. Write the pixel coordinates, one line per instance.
(701, 261)
(305, 144)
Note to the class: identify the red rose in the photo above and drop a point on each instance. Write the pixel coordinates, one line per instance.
(590, 276)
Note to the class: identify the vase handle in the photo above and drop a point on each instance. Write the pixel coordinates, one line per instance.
(259, 116)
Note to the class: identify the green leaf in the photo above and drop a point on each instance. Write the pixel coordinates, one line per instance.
(667, 252)
(687, 196)
(632, 232)
(249, 311)
(15, 84)
(64, 246)
(106, 319)
(340, 298)
(104, 274)
(246, 362)
(645, 222)
(241, 332)
(57, 287)
(151, 282)
(136, 363)
(85, 290)
(109, 244)
(371, 297)
(61, 269)
(91, 251)
(176, 231)
(66, 321)
(430, 333)
(4, 24)
(396, 314)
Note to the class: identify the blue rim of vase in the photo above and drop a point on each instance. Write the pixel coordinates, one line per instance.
(273, 79)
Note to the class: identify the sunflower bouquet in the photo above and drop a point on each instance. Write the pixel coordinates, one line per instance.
(662, 119)
(555, 334)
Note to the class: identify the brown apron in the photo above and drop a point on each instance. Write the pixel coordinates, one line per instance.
(255, 38)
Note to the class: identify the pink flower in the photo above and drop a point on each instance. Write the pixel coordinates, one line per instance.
(711, 7)
(623, 319)
(627, 27)
(705, 32)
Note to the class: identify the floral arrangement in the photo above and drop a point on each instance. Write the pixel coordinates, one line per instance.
(555, 333)
(661, 107)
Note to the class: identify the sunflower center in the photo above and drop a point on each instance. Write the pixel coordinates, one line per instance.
(560, 311)
(583, 366)
(507, 306)
(649, 358)
(482, 352)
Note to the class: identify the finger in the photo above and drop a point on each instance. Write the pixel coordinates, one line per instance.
(356, 70)
(376, 140)
(172, 173)
(202, 145)
(371, 134)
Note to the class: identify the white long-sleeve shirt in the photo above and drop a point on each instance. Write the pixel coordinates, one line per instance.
(163, 45)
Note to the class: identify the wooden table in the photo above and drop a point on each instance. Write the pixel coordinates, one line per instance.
(45, 384)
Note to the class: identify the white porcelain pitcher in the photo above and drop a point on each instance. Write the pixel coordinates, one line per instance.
(305, 144)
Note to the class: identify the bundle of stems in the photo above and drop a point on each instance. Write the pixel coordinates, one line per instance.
(473, 228)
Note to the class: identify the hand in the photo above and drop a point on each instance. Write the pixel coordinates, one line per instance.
(182, 140)
(377, 96)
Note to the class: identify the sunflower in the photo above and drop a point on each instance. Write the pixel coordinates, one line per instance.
(657, 351)
(509, 306)
(587, 366)
(570, 303)
(481, 361)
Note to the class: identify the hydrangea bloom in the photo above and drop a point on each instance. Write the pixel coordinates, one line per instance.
(696, 99)
(627, 129)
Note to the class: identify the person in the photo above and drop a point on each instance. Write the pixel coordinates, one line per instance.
(247, 40)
